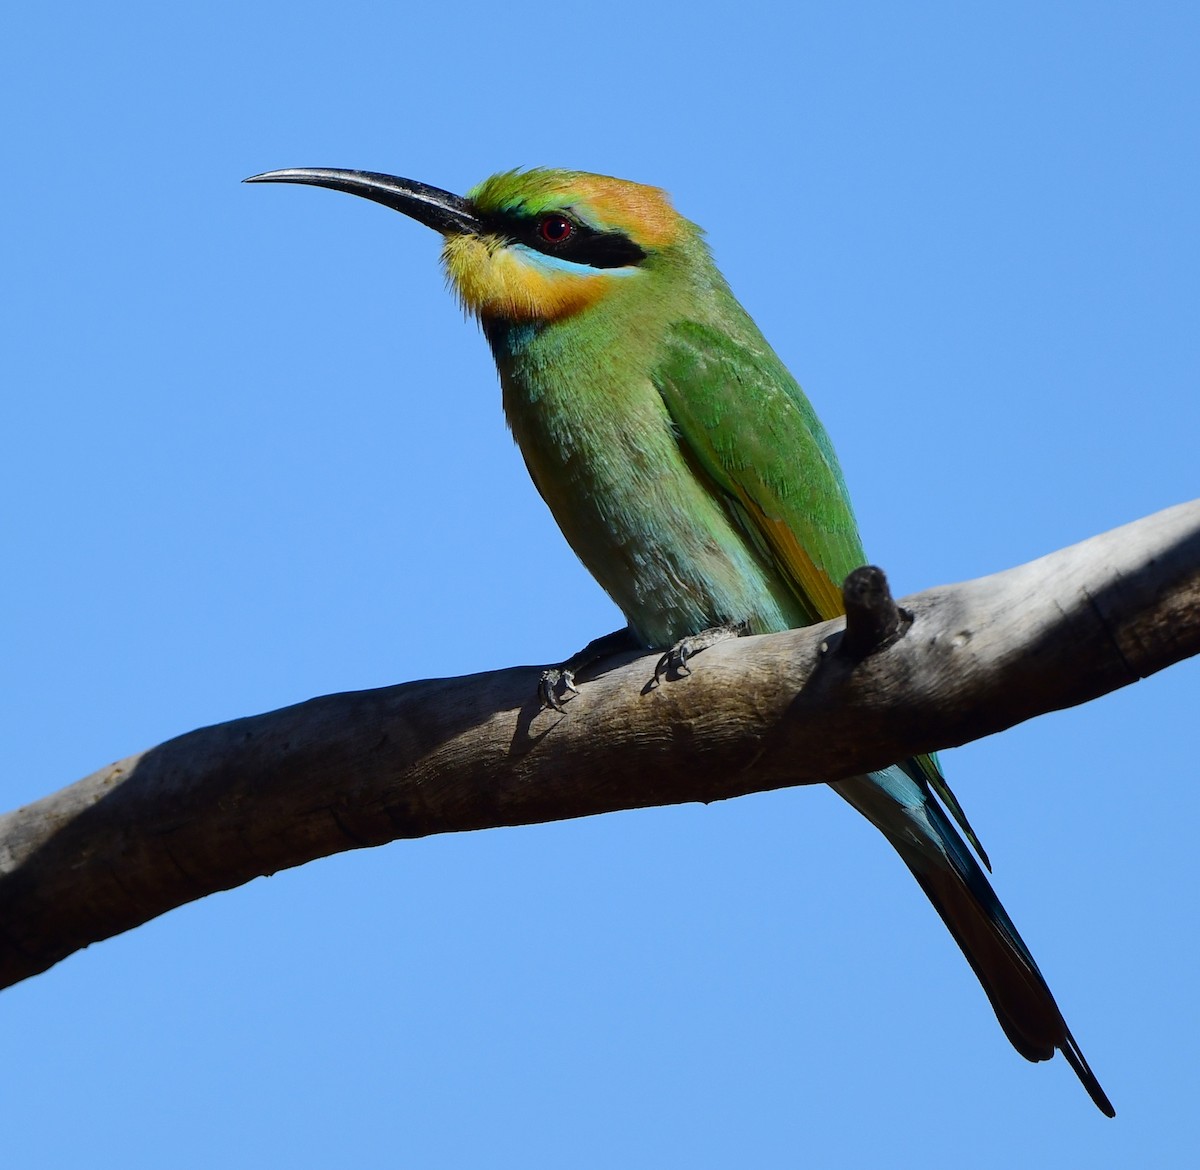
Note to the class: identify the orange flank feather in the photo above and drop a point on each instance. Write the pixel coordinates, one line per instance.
(819, 591)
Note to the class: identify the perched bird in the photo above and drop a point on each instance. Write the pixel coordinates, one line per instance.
(688, 471)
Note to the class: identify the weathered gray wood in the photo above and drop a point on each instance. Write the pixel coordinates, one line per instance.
(221, 805)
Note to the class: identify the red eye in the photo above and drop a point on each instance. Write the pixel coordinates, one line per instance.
(556, 229)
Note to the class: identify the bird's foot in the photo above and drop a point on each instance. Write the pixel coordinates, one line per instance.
(559, 681)
(675, 660)
(552, 679)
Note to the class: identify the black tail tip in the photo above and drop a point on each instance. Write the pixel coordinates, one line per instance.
(1086, 1077)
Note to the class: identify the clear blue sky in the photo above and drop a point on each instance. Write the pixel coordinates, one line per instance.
(254, 454)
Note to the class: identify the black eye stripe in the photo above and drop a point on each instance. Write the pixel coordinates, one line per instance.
(583, 245)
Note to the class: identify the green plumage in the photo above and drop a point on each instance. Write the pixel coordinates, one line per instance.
(691, 475)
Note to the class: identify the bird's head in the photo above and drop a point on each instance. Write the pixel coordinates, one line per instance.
(535, 245)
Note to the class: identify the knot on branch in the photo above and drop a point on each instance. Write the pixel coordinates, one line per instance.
(873, 619)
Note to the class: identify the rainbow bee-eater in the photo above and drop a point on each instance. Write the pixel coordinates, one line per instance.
(689, 473)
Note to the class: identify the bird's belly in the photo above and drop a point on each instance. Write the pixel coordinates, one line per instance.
(646, 524)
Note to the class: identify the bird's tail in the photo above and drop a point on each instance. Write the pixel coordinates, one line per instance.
(903, 810)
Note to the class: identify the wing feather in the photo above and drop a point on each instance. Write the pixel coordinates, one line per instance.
(747, 424)
(750, 427)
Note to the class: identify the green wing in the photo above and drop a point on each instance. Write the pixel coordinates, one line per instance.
(752, 431)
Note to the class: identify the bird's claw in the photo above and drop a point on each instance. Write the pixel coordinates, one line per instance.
(559, 680)
(675, 660)
(548, 687)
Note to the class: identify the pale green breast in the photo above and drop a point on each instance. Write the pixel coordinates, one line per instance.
(606, 457)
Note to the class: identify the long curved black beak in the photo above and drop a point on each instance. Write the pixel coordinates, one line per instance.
(446, 213)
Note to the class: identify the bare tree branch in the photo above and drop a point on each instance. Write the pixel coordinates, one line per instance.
(221, 805)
